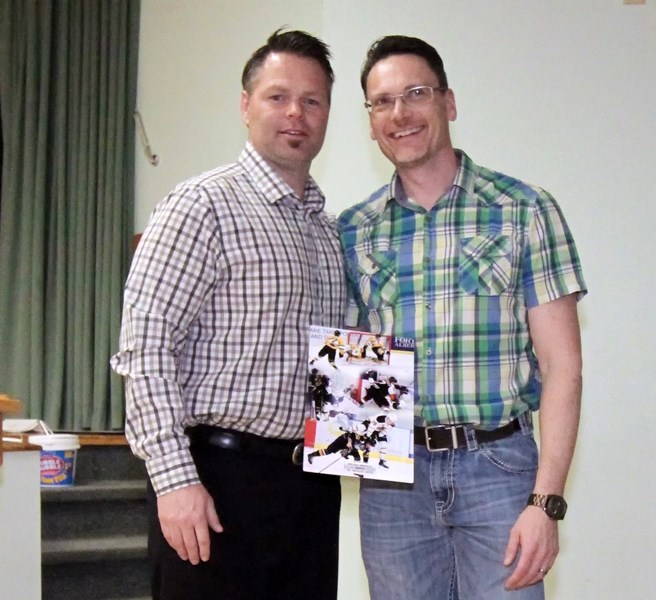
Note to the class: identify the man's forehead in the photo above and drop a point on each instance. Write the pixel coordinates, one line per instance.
(403, 71)
(279, 67)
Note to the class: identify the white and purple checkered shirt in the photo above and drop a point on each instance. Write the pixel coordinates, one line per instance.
(229, 274)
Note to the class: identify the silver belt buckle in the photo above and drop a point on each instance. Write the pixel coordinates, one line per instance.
(454, 437)
(297, 454)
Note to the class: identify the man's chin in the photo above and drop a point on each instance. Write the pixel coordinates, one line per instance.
(299, 151)
(408, 161)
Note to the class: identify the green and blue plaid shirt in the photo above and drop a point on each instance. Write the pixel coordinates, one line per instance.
(460, 278)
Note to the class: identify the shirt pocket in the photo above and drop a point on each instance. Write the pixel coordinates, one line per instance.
(375, 272)
(485, 267)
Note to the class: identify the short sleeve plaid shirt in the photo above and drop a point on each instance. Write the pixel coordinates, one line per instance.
(460, 278)
(229, 274)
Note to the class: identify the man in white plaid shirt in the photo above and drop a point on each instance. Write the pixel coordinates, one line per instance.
(233, 267)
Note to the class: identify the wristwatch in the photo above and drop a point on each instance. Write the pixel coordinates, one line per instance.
(554, 506)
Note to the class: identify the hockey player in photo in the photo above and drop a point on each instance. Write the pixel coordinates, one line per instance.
(347, 444)
(375, 436)
(320, 392)
(331, 345)
(395, 392)
(385, 393)
(353, 351)
(377, 347)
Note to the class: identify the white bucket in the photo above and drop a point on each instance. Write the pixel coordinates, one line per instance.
(58, 456)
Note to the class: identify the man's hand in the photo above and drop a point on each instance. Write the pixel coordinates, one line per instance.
(535, 538)
(186, 515)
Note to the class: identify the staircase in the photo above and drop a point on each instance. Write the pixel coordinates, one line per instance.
(93, 534)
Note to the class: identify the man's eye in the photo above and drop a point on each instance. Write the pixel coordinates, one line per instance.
(278, 98)
(382, 101)
(311, 102)
(420, 92)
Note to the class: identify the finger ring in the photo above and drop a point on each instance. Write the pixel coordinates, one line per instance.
(543, 571)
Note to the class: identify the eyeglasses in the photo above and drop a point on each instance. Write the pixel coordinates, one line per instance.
(416, 96)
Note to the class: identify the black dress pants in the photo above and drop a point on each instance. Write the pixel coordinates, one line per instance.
(280, 538)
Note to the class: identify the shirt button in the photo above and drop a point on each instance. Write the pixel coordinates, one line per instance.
(428, 305)
(429, 352)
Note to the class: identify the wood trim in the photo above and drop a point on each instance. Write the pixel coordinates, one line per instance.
(9, 405)
(20, 446)
(102, 439)
(135, 241)
(86, 439)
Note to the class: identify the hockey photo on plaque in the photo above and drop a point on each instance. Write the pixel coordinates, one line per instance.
(359, 405)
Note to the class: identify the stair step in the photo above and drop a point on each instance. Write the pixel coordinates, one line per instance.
(105, 508)
(108, 580)
(93, 549)
(130, 598)
(101, 463)
(113, 489)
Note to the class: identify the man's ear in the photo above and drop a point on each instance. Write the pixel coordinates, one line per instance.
(244, 103)
(451, 109)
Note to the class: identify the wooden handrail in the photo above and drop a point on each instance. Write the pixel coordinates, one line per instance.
(9, 406)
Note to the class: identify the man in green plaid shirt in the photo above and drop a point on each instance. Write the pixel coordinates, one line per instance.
(481, 269)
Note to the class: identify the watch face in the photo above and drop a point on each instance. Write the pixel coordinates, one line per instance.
(555, 507)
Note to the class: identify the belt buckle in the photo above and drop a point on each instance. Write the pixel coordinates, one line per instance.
(229, 440)
(454, 437)
(297, 454)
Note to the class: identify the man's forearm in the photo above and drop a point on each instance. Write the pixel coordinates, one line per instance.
(559, 415)
(556, 338)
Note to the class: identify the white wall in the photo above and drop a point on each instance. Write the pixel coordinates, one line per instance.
(559, 93)
(20, 526)
(191, 55)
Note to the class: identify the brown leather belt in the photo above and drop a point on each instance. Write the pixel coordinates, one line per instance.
(248, 443)
(438, 438)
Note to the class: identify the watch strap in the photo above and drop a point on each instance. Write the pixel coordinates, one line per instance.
(539, 500)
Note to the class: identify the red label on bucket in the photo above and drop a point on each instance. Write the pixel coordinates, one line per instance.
(57, 467)
(52, 465)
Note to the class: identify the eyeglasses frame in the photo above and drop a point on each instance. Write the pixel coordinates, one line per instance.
(439, 88)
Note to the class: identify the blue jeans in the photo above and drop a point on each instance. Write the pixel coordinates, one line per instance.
(444, 537)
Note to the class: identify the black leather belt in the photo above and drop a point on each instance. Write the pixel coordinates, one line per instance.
(437, 438)
(248, 443)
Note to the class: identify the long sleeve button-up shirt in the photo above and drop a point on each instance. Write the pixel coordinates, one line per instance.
(227, 277)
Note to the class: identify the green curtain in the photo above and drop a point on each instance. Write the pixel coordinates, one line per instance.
(67, 95)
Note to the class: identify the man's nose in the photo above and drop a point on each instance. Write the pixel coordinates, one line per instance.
(400, 107)
(294, 108)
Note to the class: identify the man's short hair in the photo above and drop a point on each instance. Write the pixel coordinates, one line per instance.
(300, 43)
(390, 45)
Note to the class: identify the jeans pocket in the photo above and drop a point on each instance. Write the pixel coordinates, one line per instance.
(485, 266)
(515, 454)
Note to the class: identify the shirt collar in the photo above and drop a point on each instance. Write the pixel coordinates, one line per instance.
(273, 187)
(464, 180)
(467, 174)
